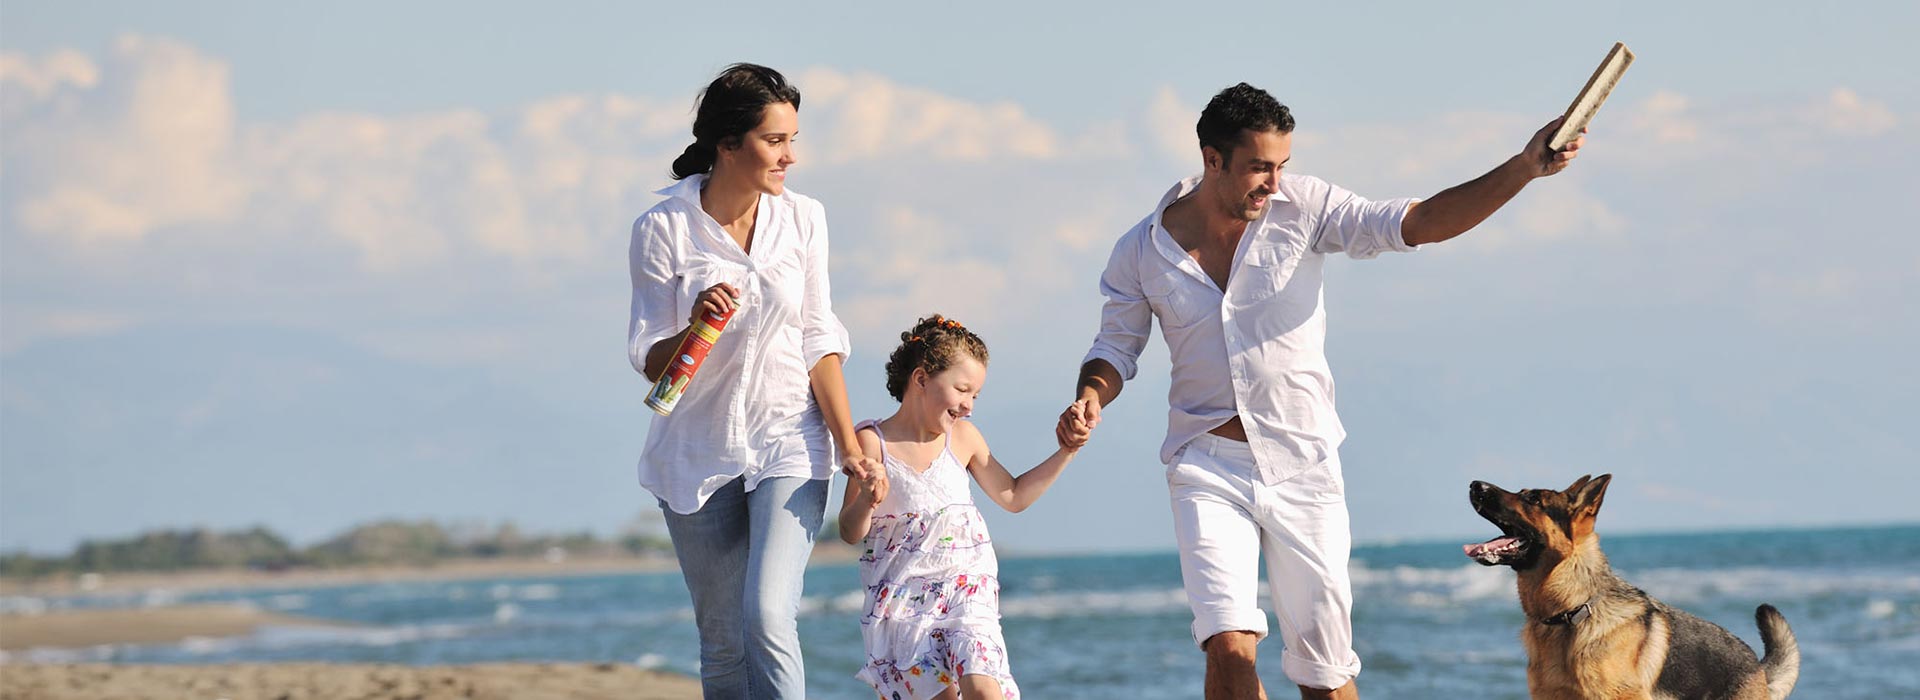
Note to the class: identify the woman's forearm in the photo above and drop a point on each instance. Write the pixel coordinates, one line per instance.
(830, 392)
(661, 354)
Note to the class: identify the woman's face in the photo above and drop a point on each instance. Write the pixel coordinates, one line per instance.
(760, 161)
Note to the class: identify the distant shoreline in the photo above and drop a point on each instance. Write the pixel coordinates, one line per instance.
(826, 552)
(192, 580)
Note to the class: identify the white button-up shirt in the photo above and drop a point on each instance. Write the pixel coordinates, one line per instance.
(1257, 349)
(750, 410)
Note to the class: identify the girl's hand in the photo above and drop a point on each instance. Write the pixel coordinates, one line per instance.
(868, 474)
(718, 299)
(1076, 424)
(870, 490)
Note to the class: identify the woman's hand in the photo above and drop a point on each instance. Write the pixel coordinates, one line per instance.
(720, 299)
(868, 476)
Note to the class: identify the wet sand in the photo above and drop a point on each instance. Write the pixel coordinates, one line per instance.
(342, 682)
(86, 628)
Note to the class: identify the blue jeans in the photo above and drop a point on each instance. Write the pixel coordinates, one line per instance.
(743, 554)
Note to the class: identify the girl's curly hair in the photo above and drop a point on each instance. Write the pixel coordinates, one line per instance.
(933, 344)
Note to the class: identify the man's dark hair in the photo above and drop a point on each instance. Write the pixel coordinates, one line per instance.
(1238, 108)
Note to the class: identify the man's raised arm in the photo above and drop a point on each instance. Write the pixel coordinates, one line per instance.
(1462, 207)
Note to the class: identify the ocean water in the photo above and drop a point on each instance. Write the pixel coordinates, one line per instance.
(1430, 623)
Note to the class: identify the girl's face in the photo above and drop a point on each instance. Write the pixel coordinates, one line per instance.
(948, 396)
(760, 161)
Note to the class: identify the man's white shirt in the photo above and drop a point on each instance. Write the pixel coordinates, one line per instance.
(1258, 348)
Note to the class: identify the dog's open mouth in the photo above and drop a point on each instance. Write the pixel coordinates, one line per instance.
(1505, 549)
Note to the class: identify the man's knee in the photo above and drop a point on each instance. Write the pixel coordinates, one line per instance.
(1349, 691)
(1236, 648)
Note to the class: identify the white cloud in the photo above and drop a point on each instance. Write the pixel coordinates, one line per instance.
(139, 156)
(116, 152)
(1664, 118)
(861, 116)
(40, 79)
(1846, 112)
(1170, 121)
(926, 271)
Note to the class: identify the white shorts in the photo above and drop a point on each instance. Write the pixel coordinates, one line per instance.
(1224, 517)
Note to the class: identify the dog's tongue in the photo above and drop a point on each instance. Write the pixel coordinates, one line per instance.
(1479, 550)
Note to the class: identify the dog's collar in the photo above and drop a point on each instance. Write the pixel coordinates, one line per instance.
(1570, 617)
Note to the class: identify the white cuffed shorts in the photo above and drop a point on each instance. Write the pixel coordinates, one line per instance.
(1224, 516)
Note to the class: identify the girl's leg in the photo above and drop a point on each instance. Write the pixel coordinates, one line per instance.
(711, 544)
(786, 514)
(975, 686)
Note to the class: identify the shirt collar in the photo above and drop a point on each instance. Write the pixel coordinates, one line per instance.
(1164, 243)
(1187, 186)
(687, 188)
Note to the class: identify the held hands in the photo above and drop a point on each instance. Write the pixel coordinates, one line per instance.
(1077, 423)
(869, 477)
(1543, 162)
(717, 299)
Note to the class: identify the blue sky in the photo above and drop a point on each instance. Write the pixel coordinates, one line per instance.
(309, 265)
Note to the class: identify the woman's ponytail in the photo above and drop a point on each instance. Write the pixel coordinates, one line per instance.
(697, 159)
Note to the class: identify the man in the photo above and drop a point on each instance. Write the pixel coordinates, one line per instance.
(1230, 262)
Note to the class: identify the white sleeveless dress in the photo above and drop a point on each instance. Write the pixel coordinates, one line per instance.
(933, 584)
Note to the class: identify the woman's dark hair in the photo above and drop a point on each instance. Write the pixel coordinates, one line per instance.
(1239, 108)
(730, 106)
(934, 344)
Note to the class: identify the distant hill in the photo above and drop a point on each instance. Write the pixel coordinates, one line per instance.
(389, 542)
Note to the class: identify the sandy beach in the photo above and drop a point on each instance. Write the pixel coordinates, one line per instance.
(342, 682)
(288, 681)
(86, 628)
(57, 628)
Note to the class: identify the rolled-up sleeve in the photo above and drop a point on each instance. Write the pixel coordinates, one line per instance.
(1360, 227)
(1126, 319)
(652, 317)
(821, 333)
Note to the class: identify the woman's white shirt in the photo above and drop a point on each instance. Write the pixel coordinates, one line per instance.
(750, 410)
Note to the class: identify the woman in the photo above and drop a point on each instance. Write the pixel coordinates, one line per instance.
(741, 467)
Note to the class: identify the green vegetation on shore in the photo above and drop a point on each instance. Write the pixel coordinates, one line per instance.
(390, 542)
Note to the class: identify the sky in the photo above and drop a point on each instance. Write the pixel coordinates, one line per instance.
(309, 265)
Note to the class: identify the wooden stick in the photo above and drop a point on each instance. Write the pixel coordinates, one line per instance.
(1598, 87)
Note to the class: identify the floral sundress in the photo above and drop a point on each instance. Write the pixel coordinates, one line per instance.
(933, 584)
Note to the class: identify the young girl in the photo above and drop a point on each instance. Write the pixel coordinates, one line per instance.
(932, 622)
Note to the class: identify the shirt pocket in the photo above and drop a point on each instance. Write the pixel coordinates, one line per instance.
(1271, 265)
(1178, 300)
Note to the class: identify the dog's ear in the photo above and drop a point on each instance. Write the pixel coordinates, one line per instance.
(1574, 490)
(1587, 494)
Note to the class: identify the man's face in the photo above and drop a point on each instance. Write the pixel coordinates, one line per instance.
(1244, 179)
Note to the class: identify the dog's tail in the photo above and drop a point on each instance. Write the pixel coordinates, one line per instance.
(1782, 660)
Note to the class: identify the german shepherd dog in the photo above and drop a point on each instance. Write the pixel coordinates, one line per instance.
(1590, 634)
